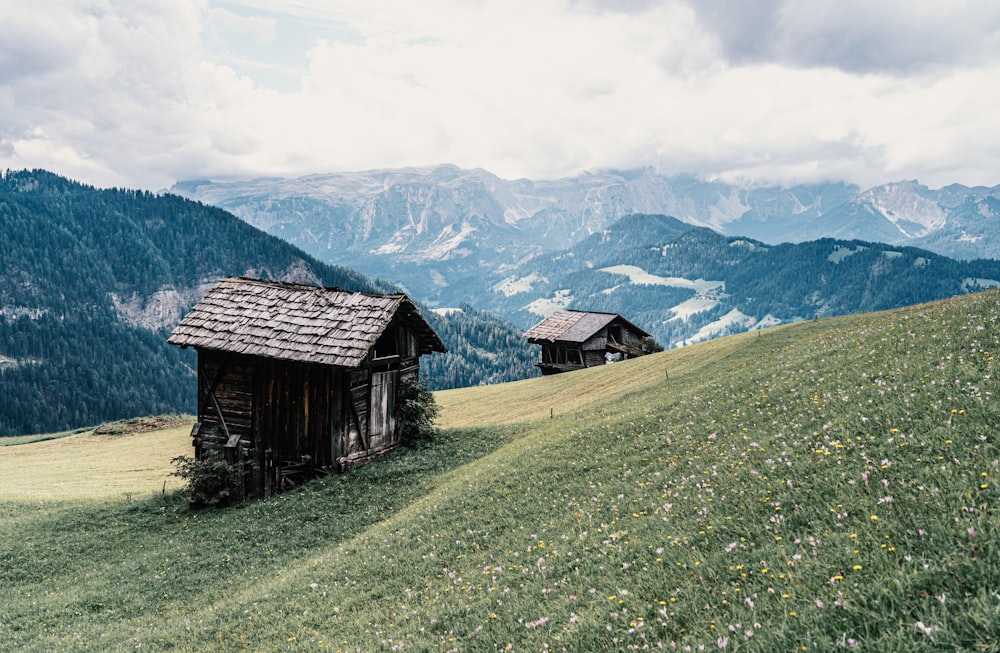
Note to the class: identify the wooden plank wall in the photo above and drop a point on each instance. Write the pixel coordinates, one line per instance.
(230, 380)
(283, 413)
(225, 411)
(294, 411)
(382, 417)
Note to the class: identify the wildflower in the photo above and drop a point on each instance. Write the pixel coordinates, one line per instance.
(722, 642)
(926, 630)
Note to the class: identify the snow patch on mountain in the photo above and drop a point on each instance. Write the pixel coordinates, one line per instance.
(12, 312)
(7, 363)
(729, 208)
(546, 306)
(765, 322)
(514, 286)
(690, 307)
(640, 277)
(840, 252)
(970, 284)
(447, 245)
(907, 206)
(734, 318)
(753, 247)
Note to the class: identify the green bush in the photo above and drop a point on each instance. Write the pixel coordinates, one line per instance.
(650, 345)
(211, 480)
(417, 411)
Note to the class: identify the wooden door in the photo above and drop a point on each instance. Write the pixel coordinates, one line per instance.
(382, 412)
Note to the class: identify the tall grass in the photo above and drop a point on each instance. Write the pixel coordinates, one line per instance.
(824, 486)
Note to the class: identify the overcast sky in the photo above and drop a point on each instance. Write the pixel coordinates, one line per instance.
(142, 93)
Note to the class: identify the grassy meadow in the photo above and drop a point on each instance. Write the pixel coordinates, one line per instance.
(102, 463)
(829, 485)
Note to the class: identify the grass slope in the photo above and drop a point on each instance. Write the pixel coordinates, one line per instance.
(93, 464)
(821, 486)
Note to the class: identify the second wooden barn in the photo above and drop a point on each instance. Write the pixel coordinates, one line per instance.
(295, 378)
(573, 340)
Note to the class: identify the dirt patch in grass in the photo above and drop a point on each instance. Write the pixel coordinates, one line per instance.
(141, 425)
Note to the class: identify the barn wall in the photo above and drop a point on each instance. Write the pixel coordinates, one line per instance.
(631, 336)
(226, 381)
(295, 411)
(225, 414)
(288, 415)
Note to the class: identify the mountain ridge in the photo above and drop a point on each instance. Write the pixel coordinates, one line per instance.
(428, 227)
(566, 210)
(684, 284)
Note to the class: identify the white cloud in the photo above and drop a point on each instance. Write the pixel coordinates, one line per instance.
(143, 94)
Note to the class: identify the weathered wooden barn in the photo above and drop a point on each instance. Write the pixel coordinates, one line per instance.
(296, 379)
(572, 340)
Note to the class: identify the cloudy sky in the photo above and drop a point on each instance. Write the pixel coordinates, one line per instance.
(142, 93)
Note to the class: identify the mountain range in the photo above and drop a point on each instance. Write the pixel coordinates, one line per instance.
(432, 225)
(728, 259)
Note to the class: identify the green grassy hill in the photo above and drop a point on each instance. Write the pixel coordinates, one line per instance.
(823, 486)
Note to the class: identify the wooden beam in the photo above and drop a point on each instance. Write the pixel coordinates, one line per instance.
(231, 440)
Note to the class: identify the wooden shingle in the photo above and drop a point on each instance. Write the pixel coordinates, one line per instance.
(297, 322)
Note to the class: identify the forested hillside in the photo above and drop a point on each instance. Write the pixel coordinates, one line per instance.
(685, 284)
(94, 279)
(483, 349)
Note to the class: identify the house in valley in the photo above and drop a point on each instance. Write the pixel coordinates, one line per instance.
(573, 340)
(296, 379)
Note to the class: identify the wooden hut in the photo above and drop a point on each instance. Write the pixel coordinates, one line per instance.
(296, 379)
(572, 340)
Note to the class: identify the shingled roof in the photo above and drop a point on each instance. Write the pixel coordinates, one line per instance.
(297, 322)
(573, 326)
